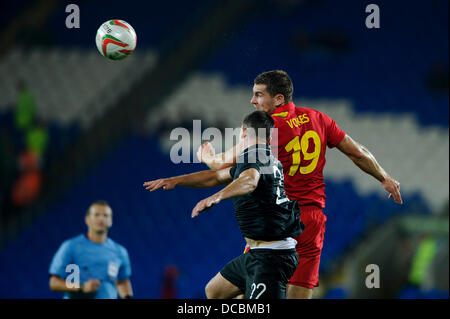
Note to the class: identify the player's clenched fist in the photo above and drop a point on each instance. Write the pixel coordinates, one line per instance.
(164, 183)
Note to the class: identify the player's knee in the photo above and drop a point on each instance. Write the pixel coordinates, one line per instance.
(297, 292)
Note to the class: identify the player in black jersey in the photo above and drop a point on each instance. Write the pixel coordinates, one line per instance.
(267, 218)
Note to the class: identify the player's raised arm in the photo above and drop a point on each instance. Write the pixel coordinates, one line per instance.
(362, 157)
(244, 184)
(207, 155)
(199, 179)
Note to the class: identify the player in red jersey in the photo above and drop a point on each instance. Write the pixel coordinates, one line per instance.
(303, 136)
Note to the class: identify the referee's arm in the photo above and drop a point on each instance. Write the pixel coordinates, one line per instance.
(56, 283)
(124, 289)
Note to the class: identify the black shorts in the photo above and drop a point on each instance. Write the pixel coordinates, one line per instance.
(262, 273)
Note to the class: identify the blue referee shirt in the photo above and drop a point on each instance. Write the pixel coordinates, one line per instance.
(107, 262)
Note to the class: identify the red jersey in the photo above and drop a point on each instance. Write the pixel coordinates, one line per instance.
(300, 144)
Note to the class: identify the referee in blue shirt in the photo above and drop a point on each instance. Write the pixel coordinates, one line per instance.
(92, 265)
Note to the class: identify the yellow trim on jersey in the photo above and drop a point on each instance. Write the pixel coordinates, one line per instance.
(282, 114)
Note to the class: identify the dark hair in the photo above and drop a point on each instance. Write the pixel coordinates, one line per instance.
(259, 121)
(98, 202)
(277, 82)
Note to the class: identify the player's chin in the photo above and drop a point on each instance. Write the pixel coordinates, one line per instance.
(101, 229)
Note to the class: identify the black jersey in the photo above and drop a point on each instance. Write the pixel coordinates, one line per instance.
(266, 213)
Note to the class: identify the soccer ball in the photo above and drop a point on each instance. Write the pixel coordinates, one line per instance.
(116, 39)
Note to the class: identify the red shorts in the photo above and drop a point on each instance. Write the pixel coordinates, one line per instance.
(309, 246)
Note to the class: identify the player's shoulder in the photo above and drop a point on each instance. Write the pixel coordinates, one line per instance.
(311, 113)
(76, 239)
(306, 109)
(255, 152)
(72, 241)
(116, 246)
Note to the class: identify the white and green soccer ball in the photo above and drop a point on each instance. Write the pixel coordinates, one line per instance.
(116, 39)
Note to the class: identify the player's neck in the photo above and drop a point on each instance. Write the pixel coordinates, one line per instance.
(98, 238)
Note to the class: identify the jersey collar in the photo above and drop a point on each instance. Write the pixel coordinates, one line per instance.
(256, 146)
(283, 110)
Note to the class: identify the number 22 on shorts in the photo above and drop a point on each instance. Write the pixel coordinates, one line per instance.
(302, 145)
(257, 287)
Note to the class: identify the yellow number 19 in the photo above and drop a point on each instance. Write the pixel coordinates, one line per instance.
(302, 145)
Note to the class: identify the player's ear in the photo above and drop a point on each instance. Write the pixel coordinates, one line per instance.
(279, 99)
(243, 132)
(269, 138)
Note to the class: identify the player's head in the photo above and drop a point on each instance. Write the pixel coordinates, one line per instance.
(258, 126)
(271, 89)
(99, 216)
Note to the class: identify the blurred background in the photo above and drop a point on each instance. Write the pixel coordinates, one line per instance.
(77, 127)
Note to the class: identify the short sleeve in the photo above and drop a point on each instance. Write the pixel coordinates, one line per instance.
(125, 268)
(232, 171)
(61, 259)
(251, 159)
(334, 134)
(245, 166)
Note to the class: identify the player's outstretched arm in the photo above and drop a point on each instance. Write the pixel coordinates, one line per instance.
(198, 179)
(244, 184)
(207, 155)
(362, 157)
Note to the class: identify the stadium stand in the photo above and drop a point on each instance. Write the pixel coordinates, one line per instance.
(398, 56)
(86, 82)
